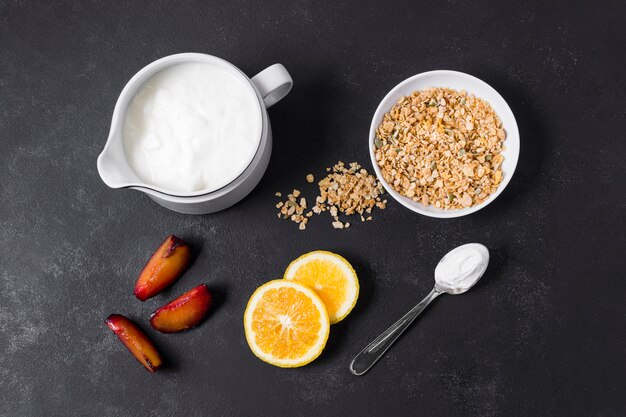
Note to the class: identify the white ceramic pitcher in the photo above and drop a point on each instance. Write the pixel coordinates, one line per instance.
(270, 86)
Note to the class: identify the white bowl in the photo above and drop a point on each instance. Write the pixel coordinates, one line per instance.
(458, 81)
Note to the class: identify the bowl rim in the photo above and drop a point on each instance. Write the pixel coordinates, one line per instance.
(414, 206)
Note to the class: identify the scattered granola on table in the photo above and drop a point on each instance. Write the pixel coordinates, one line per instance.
(345, 191)
(441, 147)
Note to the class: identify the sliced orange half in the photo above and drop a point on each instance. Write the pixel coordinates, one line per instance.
(331, 277)
(286, 324)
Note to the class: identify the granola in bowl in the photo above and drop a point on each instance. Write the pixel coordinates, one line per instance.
(441, 147)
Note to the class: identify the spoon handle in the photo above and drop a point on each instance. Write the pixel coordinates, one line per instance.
(377, 348)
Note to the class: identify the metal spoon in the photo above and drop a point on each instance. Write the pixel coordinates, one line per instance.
(377, 348)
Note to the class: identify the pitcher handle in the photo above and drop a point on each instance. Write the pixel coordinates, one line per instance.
(274, 83)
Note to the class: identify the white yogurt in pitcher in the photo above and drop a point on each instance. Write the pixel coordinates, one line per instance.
(192, 127)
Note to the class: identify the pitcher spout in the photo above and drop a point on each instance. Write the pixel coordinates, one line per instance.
(113, 167)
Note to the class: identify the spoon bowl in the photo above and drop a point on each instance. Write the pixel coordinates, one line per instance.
(443, 284)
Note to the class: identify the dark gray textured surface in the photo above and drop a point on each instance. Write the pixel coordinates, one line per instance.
(542, 334)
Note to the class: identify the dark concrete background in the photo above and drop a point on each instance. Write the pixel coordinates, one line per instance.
(543, 332)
